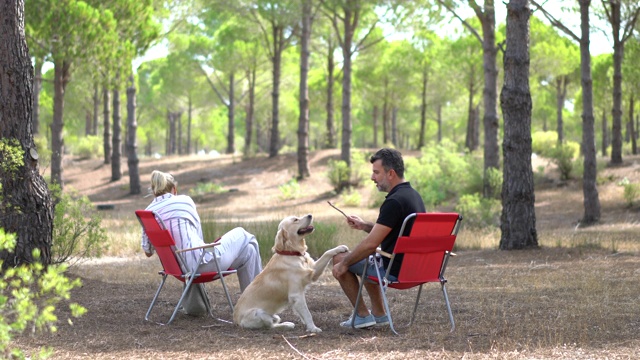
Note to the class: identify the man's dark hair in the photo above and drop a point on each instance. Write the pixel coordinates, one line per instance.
(391, 159)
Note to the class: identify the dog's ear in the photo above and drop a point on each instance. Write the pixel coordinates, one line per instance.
(282, 236)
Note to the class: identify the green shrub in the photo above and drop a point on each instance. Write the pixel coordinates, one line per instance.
(564, 157)
(290, 190)
(29, 295)
(631, 191)
(543, 142)
(203, 188)
(339, 175)
(88, 147)
(77, 231)
(440, 173)
(44, 152)
(494, 178)
(351, 198)
(479, 212)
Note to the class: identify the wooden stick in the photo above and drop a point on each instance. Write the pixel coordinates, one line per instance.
(333, 206)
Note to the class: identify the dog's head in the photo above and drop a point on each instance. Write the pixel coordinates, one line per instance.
(291, 233)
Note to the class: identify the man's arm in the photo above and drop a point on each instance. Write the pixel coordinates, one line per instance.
(365, 248)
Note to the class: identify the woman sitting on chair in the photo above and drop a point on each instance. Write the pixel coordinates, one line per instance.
(237, 249)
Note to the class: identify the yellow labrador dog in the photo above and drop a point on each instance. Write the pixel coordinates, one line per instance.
(284, 280)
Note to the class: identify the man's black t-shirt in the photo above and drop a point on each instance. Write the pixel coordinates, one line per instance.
(401, 201)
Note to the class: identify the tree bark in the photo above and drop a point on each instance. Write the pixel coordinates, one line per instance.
(250, 111)
(605, 133)
(561, 95)
(303, 121)
(375, 126)
(106, 140)
(589, 189)
(616, 111)
(37, 87)
(96, 109)
(231, 135)
(518, 220)
(423, 107)
(132, 144)
(350, 23)
(60, 80)
(116, 152)
(26, 208)
(278, 47)
(632, 130)
(469, 141)
(331, 127)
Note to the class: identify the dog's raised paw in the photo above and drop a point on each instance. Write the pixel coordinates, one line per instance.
(341, 249)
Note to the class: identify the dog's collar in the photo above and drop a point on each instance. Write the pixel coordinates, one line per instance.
(289, 253)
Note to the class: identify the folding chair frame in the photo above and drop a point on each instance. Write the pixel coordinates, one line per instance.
(385, 283)
(187, 276)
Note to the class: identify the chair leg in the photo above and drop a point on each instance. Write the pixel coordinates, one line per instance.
(446, 300)
(415, 307)
(226, 291)
(359, 297)
(155, 297)
(385, 301)
(184, 293)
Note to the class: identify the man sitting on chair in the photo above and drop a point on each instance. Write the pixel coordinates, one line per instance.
(402, 200)
(238, 248)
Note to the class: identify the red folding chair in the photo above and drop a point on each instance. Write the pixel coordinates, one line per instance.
(426, 251)
(174, 264)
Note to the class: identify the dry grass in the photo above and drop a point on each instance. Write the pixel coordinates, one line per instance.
(576, 297)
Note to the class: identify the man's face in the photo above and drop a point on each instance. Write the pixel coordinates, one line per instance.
(380, 176)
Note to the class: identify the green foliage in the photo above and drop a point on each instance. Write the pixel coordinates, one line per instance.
(564, 157)
(203, 188)
(339, 175)
(351, 198)
(87, 147)
(11, 155)
(543, 142)
(479, 212)
(44, 151)
(29, 295)
(290, 190)
(440, 173)
(631, 191)
(494, 178)
(77, 231)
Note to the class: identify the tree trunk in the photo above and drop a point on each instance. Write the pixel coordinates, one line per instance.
(518, 220)
(347, 43)
(490, 93)
(189, 122)
(25, 201)
(375, 126)
(106, 99)
(632, 130)
(303, 121)
(616, 111)
(231, 145)
(423, 107)
(385, 114)
(331, 128)
(116, 172)
(439, 120)
(605, 133)
(60, 79)
(96, 109)
(470, 112)
(132, 145)
(88, 122)
(561, 94)
(589, 189)
(394, 126)
(37, 87)
(278, 47)
(250, 111)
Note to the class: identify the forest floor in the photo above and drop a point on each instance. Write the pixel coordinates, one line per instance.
(576, 297)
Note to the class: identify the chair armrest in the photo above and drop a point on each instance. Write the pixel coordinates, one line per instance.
(207, 246)
(383, 253)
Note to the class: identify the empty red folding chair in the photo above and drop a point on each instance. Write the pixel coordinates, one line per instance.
(426, 251)
(173, 263)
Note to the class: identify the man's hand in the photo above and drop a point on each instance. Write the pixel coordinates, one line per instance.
(355, 222)
(339, 269)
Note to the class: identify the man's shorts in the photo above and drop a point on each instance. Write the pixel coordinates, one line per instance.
(358, 267)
